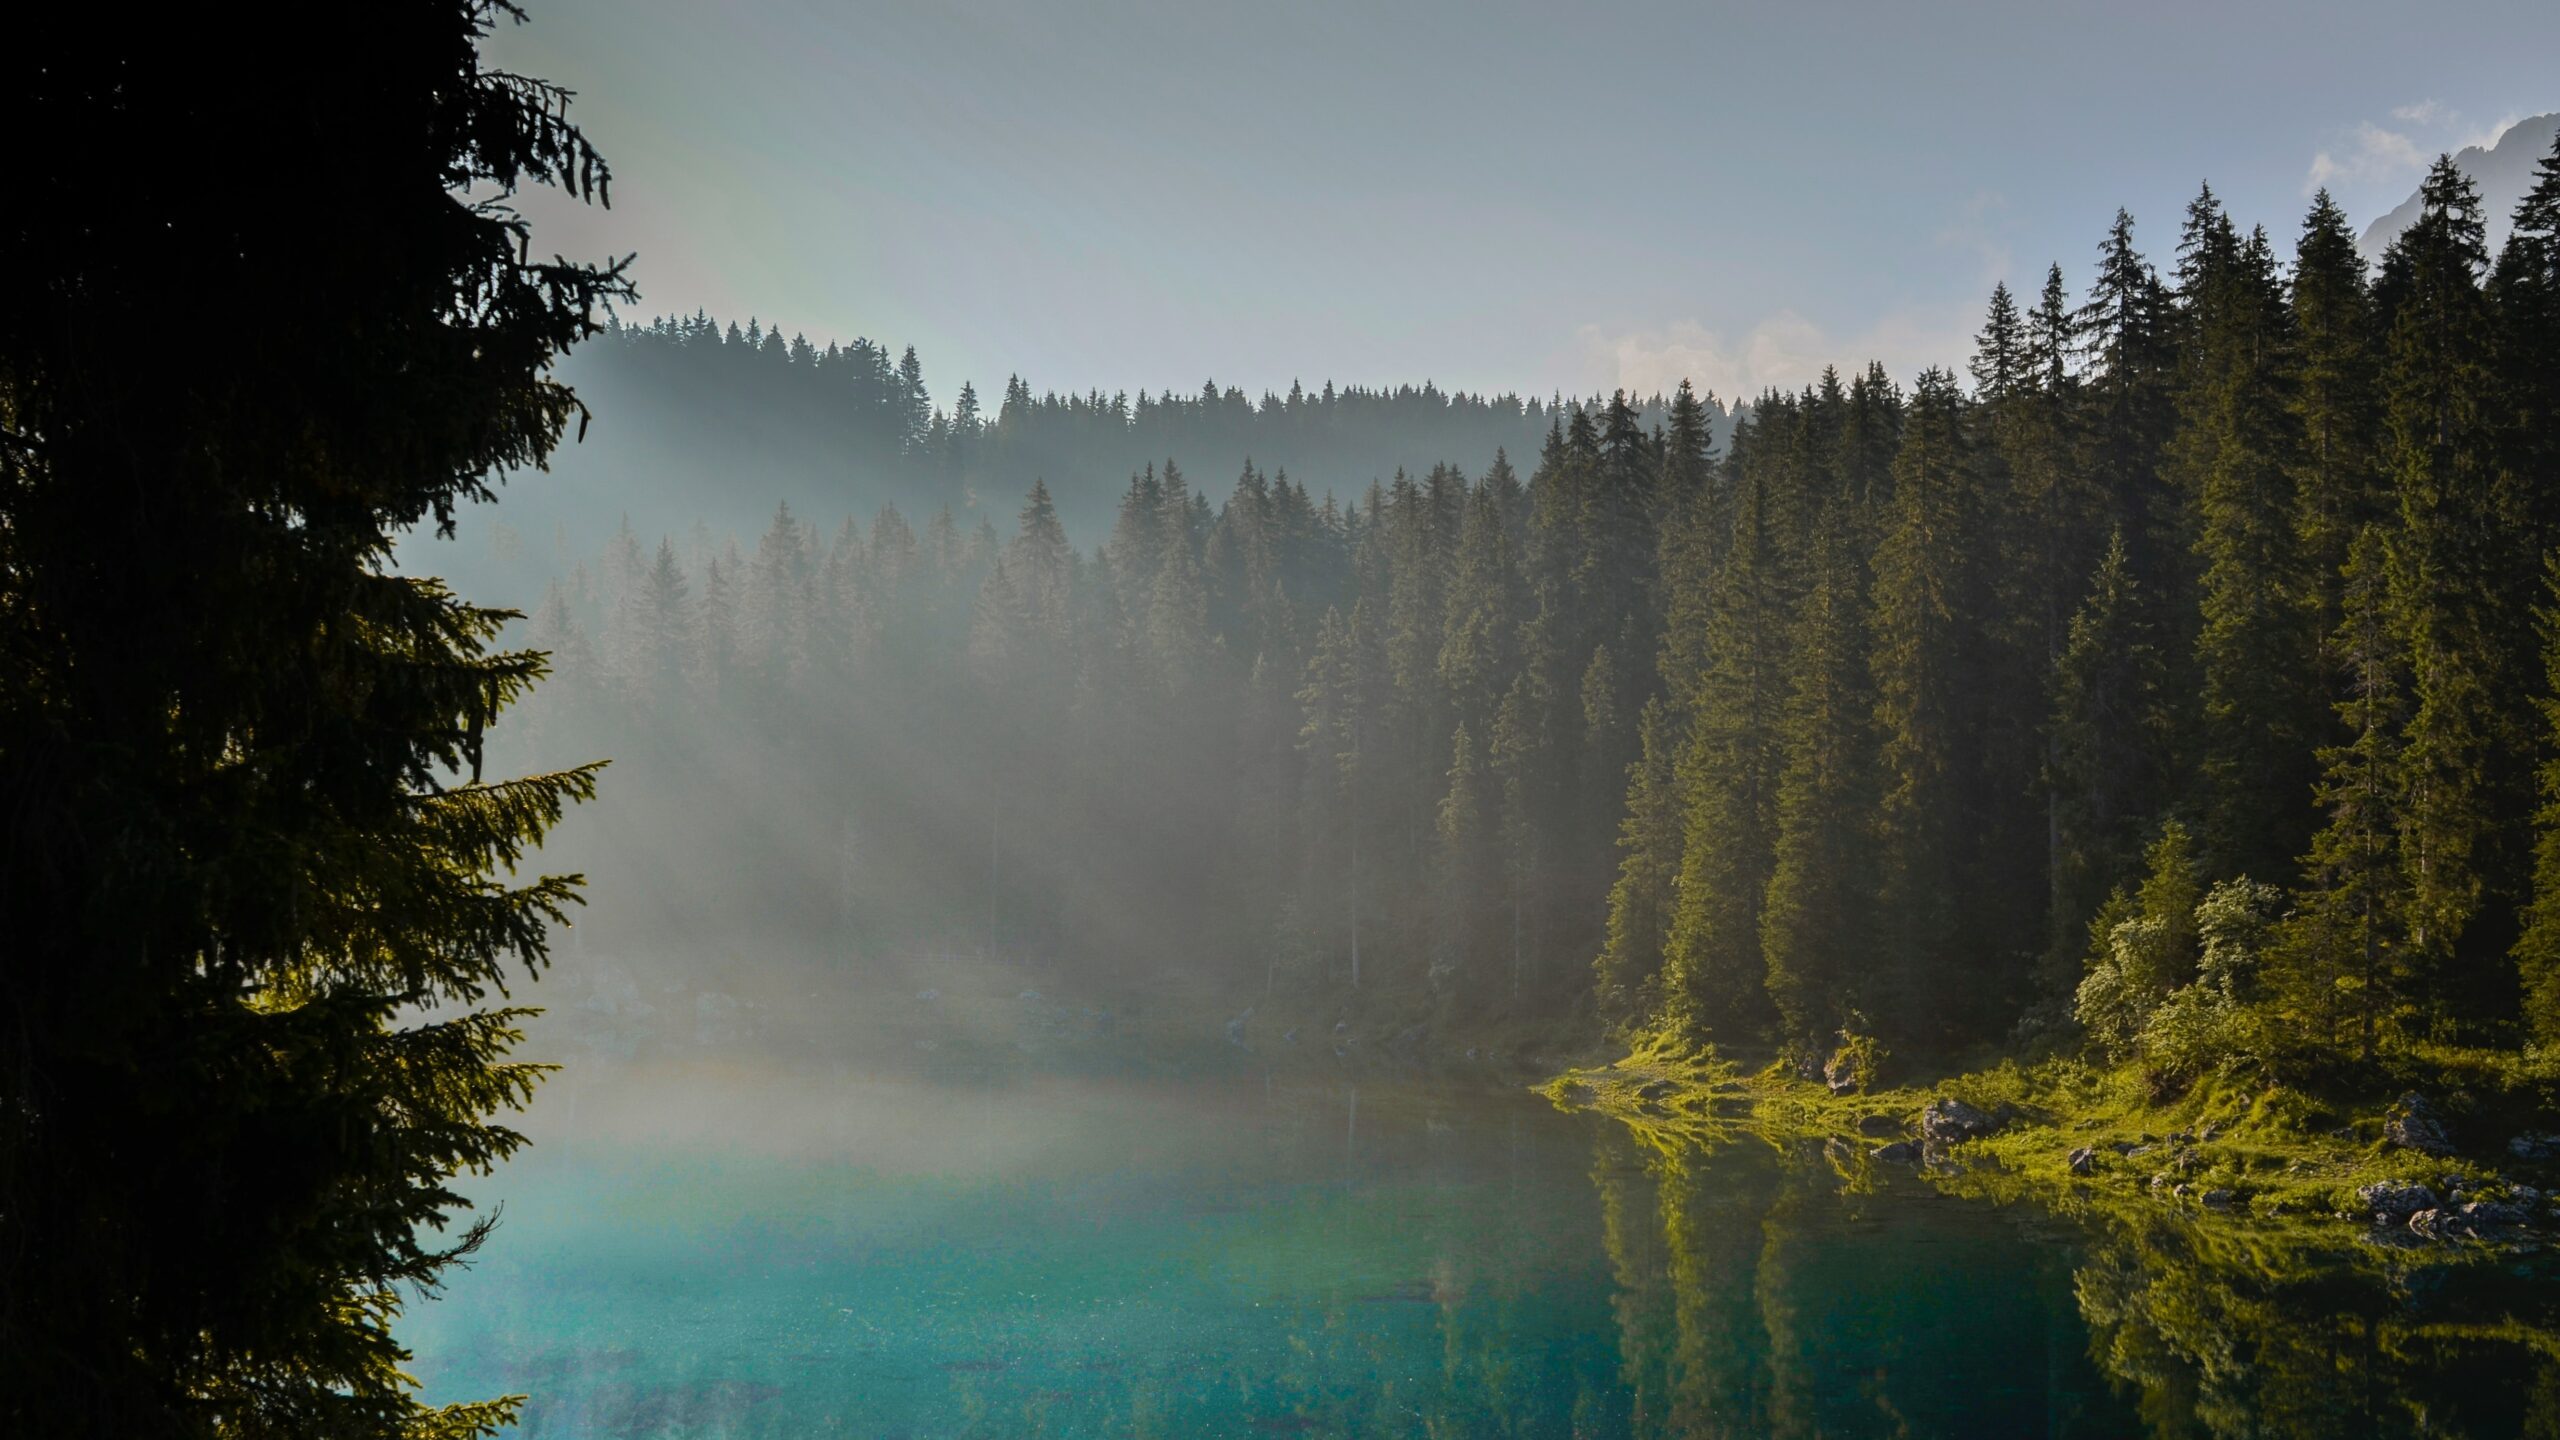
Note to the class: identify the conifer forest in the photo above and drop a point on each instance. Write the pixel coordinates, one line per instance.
(2168, 677)
(1739, 774)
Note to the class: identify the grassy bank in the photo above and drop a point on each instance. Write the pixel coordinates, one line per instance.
(2232, 1154)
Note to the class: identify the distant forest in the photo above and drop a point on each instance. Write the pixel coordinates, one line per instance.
(2182, 680)
(695, 420)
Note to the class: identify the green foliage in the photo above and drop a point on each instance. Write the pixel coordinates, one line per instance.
(258, 890)
(2147, 953)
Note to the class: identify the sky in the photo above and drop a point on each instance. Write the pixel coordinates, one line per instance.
(1532, 198)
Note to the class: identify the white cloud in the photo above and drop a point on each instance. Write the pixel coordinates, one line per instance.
(2374, 154)
(1784, 351)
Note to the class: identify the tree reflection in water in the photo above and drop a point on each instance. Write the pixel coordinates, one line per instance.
(1768, 1288)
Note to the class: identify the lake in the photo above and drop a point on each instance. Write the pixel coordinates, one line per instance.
(711, 1251)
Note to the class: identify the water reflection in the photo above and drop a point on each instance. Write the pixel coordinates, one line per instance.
(1793, 1290)
(1279, 1257)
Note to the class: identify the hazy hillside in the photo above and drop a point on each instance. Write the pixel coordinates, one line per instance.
(694, 423)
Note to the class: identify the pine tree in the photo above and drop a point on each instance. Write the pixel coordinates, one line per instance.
(2537, 950)
(2109, 727)
(2454, 563)
(2342, 959)
(258, 895)
(1927, 608)
(2234, 455)
(1649, 850)
(2334, 399)
(1814, 925)
(1712, 969)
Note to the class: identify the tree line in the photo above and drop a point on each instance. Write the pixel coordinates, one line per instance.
(2171, 682)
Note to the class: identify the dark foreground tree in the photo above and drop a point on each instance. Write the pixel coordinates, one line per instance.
(257, 900)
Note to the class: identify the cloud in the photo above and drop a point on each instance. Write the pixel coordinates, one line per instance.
(1784, 350)
(2374, 154)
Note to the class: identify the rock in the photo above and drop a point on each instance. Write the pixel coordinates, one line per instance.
(1289, 1036)
(1842, 1073)
(2211, 1132)
(1654, 1089)
(2489, 1214)
(2413, 1124)
(2535, 1147)
(2124, 1147)
(1950, 1121)
(1900, 1152)
(2133, 1150)
(2220, 1199)
(2343, 1132)
(2394, 1200)
(1029, 997)
(2440, 1224)
(2083, 1161)
(2183, 1137)
(2526, 1195)
(1876, 1127)
(2180, 1190)
(928, 995)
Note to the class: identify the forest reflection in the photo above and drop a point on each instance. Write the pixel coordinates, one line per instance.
(1786, 1289)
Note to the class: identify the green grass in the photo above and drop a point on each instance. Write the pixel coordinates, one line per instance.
(2292, 1157)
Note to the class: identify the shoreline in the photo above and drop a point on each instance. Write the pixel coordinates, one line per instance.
(2070, 1138)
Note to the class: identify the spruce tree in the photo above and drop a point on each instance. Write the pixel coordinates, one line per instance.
(2537, 951)
(262, 906)
(2342, 956)
(1925, 660)
(1815, 923)
(1711, 969)
(2235, 455)
(2455, 562)
(2109, 750)
(2334, 399)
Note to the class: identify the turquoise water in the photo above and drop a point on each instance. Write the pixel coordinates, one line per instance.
(718, 1254)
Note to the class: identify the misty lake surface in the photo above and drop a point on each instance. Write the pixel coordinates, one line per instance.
(710, 1252)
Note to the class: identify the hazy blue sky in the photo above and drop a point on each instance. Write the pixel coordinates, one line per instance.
(1496, 197)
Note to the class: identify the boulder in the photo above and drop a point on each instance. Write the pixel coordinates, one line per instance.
(2220, 1199)
(1900, 1152)
(2394, 1200)
(1842, 1074)
(2490, 1214)
(2083, 1161)
(1950, 1121)
(2440, 1224)
(2535, 1146)
(1877, 1127)
(2413, 1124)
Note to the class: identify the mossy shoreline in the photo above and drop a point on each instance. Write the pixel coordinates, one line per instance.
(2225, 1156)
